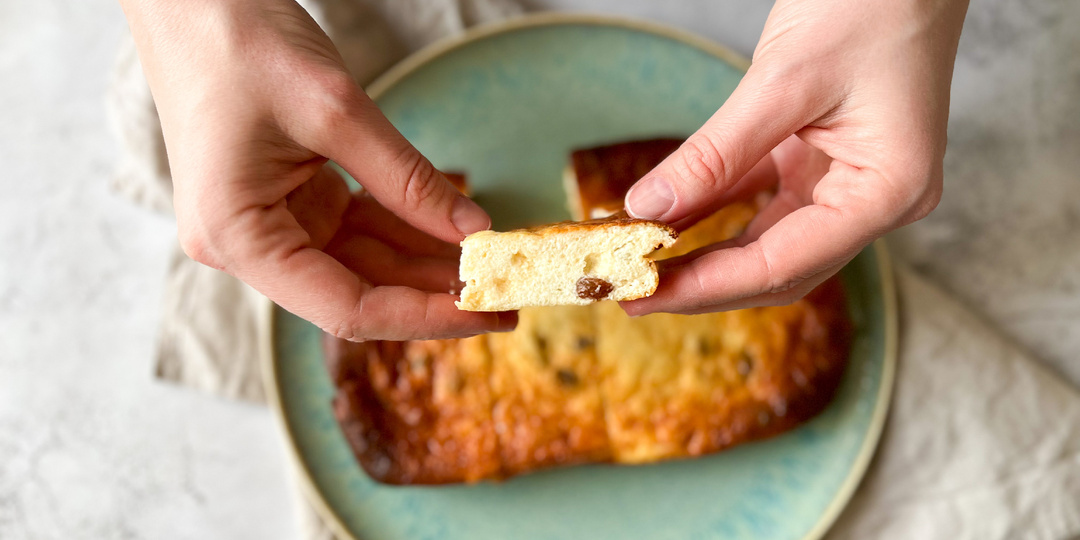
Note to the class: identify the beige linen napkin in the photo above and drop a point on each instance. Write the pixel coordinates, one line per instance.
(982, 443)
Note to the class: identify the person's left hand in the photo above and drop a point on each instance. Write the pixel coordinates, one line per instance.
(254, 100)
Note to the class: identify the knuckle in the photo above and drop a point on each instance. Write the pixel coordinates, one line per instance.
(349, 327)
(778, 73)
(419, 181)
(926, 204)
(779, 81)
(343, 330)
(784, 286)
(197, 228)
(786, 298)
(931, 197)
(911, 196)
(339, 99)
(702, 161)
(774, 282)
(196, 247)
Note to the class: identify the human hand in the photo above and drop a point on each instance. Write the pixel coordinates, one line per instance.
(254, 99)
(844, 110)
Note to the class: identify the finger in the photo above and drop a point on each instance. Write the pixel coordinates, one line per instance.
(369, 218)
(771, 299)
(801, 245)
(319, 204)
(801, 167)
(668, 265)
(312, 285)
(781, 205)
(352, 131)
(778, 206)
(270, 252)
(761, 176)
(381, 265)
(401, 313)
(766, 107)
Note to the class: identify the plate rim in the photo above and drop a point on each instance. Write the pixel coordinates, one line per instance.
(416, 60)
(268, 352)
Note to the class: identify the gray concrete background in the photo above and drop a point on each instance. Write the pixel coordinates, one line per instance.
(92, 447)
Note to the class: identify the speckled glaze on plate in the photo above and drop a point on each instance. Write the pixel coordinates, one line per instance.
(507, 103)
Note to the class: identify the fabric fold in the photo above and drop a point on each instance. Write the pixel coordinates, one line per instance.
(982, 442)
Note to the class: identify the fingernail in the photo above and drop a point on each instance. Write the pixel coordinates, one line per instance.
(468, 217)
(650, 198)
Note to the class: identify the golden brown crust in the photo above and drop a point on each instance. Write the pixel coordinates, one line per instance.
(416, 412)
(619, 219)
(546, 409)
(677, 386)
(604, 174)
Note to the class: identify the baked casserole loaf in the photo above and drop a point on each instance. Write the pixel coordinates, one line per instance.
(587, 384)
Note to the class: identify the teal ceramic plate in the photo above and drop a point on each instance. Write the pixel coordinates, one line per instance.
(506, 104)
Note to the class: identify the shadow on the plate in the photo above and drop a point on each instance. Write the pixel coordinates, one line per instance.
(511, 207)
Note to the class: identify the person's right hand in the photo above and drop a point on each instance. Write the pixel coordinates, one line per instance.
(844, 112)
(254, 99)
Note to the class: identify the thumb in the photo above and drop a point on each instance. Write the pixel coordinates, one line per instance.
(364, 142)
(762, 111)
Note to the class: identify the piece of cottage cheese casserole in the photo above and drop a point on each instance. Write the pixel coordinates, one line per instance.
(569, 263)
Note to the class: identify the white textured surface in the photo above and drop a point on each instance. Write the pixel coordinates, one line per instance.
(1006, 236)
(92, 447)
